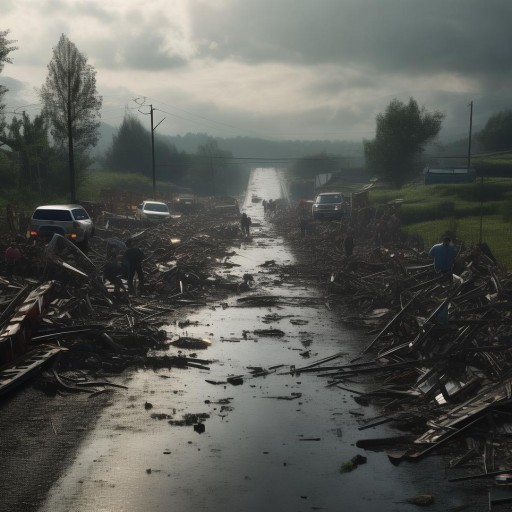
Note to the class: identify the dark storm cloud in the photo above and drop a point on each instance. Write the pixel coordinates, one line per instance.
(466, 36)
(80, 8)
(147, 51)
(144, 51)
(133, 38)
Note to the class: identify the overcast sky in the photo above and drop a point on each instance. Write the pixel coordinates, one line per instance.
(279, 69)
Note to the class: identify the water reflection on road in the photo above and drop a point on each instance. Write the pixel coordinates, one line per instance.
(258, 452)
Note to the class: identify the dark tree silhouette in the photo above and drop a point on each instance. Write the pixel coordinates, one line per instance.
(497, 132)
(402, 132)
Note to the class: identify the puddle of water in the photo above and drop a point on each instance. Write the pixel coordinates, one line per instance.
(258, 452)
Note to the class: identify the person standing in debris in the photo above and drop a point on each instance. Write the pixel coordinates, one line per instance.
(245, 224)
(115, 246)
(133, 256)
(443, 255)
(271, 207)
(113, 272)
(14, 258)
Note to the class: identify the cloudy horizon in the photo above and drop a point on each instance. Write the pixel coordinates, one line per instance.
(286, 69)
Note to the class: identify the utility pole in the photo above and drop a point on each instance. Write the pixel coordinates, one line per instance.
(153, 128)
(470, 129)
(153, 152)
(481, 177)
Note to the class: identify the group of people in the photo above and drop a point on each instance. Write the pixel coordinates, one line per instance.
(269, 207)
(124, 261)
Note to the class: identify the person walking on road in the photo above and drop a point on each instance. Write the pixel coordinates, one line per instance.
(245, 224)
(133, 256)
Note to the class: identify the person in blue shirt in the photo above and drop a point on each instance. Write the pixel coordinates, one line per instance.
(444, 256)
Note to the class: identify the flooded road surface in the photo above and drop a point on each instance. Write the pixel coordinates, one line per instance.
(273, 443)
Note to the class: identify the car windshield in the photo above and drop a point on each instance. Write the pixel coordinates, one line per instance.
(331, 198)
(156, 207)
(60, 215)
(80, 214)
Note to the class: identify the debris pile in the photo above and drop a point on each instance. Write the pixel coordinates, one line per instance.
(58, 306)
(438, 361)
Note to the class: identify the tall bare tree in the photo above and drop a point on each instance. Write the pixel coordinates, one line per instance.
(71, 102)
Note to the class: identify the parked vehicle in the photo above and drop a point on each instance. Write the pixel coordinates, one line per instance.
(329, 205)
(226, 204)
(68, 220)
(185, 200)
(154, 211)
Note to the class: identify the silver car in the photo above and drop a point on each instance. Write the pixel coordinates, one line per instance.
(68, 220)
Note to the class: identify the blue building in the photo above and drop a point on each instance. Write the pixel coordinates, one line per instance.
(449, 175)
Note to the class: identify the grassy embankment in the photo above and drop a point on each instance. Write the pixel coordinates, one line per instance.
(95, 182)
(431, 210)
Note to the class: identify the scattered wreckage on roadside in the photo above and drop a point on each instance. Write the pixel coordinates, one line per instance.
(438, 361)
(59, 315)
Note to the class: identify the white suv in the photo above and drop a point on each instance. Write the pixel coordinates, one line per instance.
(68, 220)
(152, 211)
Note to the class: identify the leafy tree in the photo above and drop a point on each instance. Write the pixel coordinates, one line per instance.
(213, 171)
(71, 103)
(402, 132)
(29, 140)
(5, 48)
(171, 164)
(8, 172)
(497, 133)
(130, 152)
(131, 148)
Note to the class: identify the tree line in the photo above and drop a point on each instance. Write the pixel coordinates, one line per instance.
(211, 170)
(48, 155)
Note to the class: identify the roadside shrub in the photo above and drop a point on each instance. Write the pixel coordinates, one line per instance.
(488, 191)
(506, 210)
(446, 209)
(494, 168)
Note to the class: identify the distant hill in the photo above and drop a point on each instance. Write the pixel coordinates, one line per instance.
(248, 148)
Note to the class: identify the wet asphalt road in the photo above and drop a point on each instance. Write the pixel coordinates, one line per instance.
(273, 443)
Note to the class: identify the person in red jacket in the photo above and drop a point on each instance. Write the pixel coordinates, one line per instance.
(13, 258)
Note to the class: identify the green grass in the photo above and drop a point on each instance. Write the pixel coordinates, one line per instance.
(95, 182)
(494, 233)
(431, 210)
